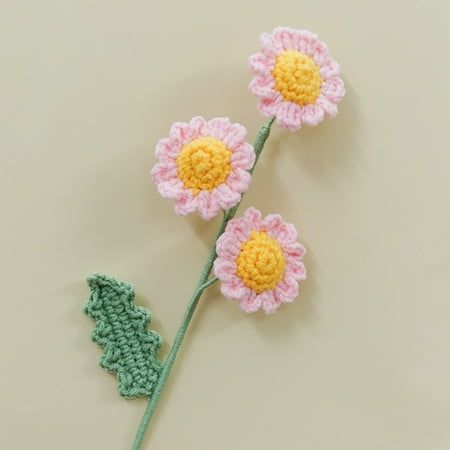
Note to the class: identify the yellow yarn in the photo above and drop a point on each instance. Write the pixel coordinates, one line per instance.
(260, 263)
(204, 164)
(297, 77)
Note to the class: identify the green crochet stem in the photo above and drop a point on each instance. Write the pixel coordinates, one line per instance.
(202, 284)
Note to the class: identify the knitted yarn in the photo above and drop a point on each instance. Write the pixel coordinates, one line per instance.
(259, 261)
(204, 165)
(131, 350)
(295, 78)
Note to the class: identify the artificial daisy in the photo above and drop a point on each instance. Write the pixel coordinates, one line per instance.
(295, 79)
(203, 165)
(259, 261)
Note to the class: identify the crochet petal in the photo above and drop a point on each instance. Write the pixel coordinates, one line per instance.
(296, 268)
(164, 171)
(261, 64)
(328, 107)
(289, 115)
(234, 289)
(228, 246)
(167, 149)
(218, 128)
(263, 86)
(235, 137)
(172, 188)
(250, 302)
(329, 69)
(225, 270)
(186, 203)
(269, 302)
(253, 217)
(286, 290)
(243, 157)
(208, 207)
(239, 180)
(225, 196)
(333, 89)
(312, 114)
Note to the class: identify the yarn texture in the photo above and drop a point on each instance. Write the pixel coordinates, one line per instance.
(204, 165)
(295, 78)
(259, 261)
(131, 350)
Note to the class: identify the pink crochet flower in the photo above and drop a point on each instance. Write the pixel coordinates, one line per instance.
(295, 78)
(203, 165)
(259, 261)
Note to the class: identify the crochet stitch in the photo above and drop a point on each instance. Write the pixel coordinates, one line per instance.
(295, 79)
(203, 165)
(131, 350)
(207, 166)
(259, 261)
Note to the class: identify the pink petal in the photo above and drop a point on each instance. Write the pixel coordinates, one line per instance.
(225, 269)
(167, 149)
(289, 116)
(312, 115)
(234, 289)
(294, 249)
(329, 107)
(284, 233)
(239, 180)
(250, 302)
(164, 171)
(186, 203)
(196, 127)
(172, 188)
(179, 133)
(263, 86)
(218, 127)
(333, 89)
(269, 107)
(253, 217)
(240, 228)
(243, 157)
(286, 290)
(270, 46)
(295, 268)
(228, 246)
(207, 205)
(329, 69)
(269, 302)
(226, 196)
(235, 136)
(261, 64)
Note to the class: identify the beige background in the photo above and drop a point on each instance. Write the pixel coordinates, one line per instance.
(360, 361)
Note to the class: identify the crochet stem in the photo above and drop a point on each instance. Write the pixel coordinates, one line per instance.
(203, 283)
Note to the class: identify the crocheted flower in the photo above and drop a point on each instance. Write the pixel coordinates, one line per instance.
(203, 165)
(295, 80)
(259, 261)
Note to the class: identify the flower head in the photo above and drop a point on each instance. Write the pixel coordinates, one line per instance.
(259, 261)
(203, 165)
(295, 78)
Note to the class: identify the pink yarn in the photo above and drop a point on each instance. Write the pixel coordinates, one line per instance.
(224, 196)
(288, 114)
(229, 246)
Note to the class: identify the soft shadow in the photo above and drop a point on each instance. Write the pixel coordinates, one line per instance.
(333, 144)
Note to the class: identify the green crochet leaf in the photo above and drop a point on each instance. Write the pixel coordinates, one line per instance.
(131, 349)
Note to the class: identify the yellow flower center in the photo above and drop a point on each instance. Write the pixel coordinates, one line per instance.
(297, 77)
(260, 263)
(203, 164)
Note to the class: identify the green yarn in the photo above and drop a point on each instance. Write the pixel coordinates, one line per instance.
(131, 350)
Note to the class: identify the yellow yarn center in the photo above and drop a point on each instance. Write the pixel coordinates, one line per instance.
(297, 77)
(204, 164)
(260, 263)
